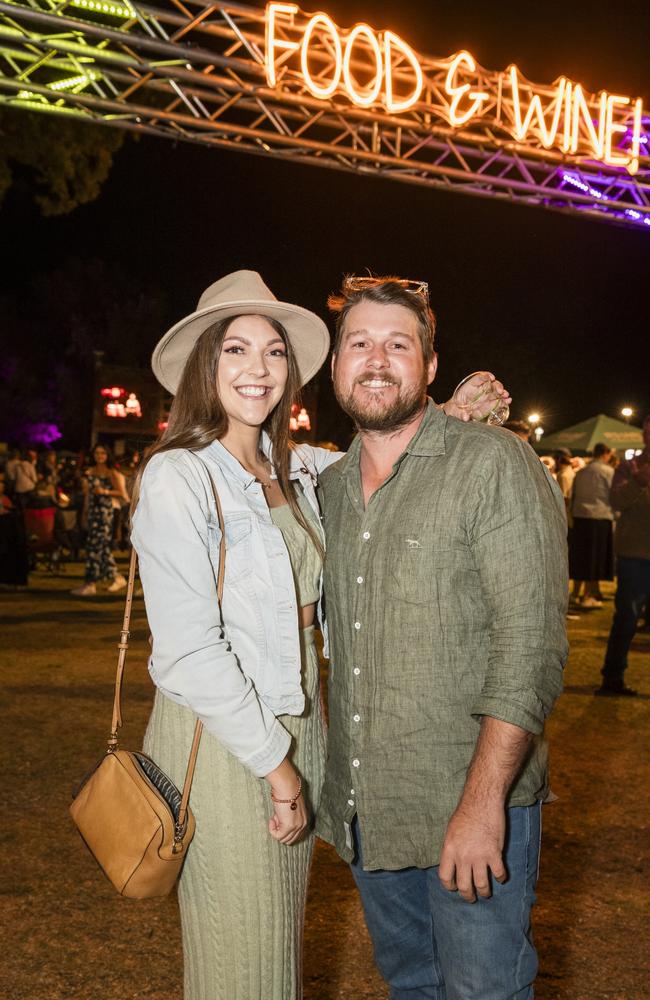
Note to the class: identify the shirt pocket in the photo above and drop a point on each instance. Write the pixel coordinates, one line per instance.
(414, 570)
(444, 581)
(239, 546)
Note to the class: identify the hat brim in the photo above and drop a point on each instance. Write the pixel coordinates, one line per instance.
(308, 334)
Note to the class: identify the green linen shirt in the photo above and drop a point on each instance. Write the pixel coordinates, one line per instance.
(445, 601)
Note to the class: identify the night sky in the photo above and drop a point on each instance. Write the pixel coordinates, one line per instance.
(556, 305)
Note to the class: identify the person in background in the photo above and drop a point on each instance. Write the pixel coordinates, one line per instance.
(49, 469)
(549, 462)
(518, 427)
(14, 563)
(591, 554)
(10, 471)
(26, 478)
(565, 473)
(101, 485)
(630, 494)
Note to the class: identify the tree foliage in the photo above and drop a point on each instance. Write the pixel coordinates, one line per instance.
(68, 160)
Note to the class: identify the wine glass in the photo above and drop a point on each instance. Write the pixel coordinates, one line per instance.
(485, 404)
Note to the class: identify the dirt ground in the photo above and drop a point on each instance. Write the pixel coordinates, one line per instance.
(68, 935)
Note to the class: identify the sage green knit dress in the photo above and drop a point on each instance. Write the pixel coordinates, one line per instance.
(241, 893)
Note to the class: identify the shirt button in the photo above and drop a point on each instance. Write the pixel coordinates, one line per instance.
(356, 671)
(357, 625)
(352, 791)
(350, 802)
(355, 762)
(359, 579)
(366, 535)
(357, 718)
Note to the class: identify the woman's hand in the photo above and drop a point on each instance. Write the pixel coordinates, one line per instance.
(286, 824)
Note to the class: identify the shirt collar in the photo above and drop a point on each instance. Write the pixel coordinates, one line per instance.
(428, 440)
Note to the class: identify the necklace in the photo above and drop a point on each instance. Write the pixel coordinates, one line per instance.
(264, 483)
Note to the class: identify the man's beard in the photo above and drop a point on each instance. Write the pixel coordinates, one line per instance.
(372, 416)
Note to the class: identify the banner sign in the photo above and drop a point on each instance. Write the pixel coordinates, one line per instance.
(375, 69)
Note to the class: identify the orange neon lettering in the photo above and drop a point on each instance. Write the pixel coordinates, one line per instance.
(363, 98)
(316, 88)
(523, 126)
(273, 43)
(458, 91)
(394, 104)
(580, 111)
(611, 129)
(637, 120)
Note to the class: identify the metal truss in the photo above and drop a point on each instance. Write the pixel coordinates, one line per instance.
(191, 72)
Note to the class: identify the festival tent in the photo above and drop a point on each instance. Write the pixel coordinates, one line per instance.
(583, 436)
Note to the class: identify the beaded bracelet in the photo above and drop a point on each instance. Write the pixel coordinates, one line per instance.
(290, 802)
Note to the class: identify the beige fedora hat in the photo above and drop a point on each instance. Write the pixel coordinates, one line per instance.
(237, 294)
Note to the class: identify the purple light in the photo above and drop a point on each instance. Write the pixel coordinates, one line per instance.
(41, 433)
(571, 179)
(629, 213)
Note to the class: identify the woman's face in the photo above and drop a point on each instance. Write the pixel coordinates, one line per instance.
(100, 456)
(252, 371)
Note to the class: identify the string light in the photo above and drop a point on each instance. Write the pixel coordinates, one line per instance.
(113, 9)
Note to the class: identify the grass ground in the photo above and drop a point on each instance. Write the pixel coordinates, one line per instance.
(68, 935)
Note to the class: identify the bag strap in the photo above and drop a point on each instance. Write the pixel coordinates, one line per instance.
(123, 646)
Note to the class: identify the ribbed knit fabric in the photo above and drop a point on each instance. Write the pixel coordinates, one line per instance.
(241, 893)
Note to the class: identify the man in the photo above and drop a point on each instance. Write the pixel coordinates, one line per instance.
(630, 494)
(26, 478)
(591, 552)
(445, 587)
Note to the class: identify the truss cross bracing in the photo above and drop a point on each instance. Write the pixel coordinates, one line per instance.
(197, 73)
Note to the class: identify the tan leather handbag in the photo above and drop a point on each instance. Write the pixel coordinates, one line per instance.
(134, 820)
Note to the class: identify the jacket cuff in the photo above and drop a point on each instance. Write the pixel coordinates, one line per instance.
(271, 754)
(509, 711)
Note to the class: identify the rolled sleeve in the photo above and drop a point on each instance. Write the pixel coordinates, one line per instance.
(519, 544)
(192, 661)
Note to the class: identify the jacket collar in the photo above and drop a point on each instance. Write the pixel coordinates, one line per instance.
(222, 456)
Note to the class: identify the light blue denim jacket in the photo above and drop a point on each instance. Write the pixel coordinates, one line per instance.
(236, 679)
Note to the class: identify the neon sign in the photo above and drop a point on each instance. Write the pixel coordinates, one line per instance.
(370, 68)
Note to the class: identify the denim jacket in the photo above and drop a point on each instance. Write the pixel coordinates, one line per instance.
(240, 677)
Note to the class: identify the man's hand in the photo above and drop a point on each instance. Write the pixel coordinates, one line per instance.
(472, 850)
(473, 845)
(641, 472)
(464, 404)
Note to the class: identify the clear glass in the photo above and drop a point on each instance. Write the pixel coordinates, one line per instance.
(492, 409)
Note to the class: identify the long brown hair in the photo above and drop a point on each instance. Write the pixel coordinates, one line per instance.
(197, 417)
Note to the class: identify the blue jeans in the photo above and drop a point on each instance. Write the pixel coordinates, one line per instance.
(632, 592)
(429, 944)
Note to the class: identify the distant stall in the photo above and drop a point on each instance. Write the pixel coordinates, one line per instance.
(581, 438)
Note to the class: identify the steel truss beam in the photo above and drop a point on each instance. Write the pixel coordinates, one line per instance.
(197, 73)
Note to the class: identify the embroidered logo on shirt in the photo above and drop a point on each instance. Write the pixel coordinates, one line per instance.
(413, 543)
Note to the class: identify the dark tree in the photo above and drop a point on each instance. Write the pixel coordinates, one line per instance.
(65, 160)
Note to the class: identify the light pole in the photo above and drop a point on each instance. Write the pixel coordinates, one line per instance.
(626, 413)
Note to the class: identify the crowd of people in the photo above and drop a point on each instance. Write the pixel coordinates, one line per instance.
(55, 505)
(608, 516)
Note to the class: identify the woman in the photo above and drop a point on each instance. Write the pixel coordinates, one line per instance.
(235, 367)
(101, 484)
